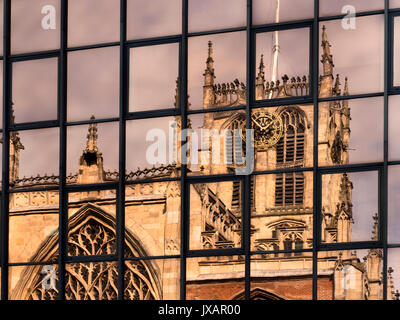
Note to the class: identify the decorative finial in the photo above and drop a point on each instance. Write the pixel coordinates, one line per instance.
(375, 232)
(209, 72)
(346, 87)
(337, 85)
(261, 66)
(91, 143)
(327, 60)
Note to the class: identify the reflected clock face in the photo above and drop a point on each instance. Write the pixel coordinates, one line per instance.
(268, 129)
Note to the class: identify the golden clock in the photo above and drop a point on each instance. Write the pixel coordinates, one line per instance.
(268, 129)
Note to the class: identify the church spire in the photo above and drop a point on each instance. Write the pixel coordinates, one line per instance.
(327, 60)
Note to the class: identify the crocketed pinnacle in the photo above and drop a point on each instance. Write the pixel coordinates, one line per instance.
(91, 143)
(327, 60)
(209, 71)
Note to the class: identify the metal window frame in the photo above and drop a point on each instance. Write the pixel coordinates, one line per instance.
(185, 181)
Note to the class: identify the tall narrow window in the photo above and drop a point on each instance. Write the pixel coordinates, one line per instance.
(289, 187)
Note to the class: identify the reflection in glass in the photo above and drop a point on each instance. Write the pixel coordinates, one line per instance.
(393, 127)
(93, 22)
(34, 156)
(289, 60)
(153, 69)
(215, 278)
(153, 143)
(282, 213)
(215, 215)
(212, 82)
(350, 131)
(33, 220)
(34, 90)
(393, 204)
(221, 14)
(91, 223)
(265, 11)
(152, 279)
(33, 282)
(393, 274)
(396, 51)
(153, 209)
(363, 64)
(35, 25)
(156, 18)
(90, 166)
(350, 207)
(350, 275)
(93, 84)
(330, 8)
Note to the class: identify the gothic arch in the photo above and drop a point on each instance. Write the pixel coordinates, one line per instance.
(91, 231)
(258, 294)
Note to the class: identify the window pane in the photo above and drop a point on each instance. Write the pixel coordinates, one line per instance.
(35, 25)
(34, 156)
(282, 212)
(393, 4)
(152, 219)
(350, 207)
(91, 281)
(221, 14)
(153, 148)
(283, 137)
(396, 53)
(264, 11)
(351, 131)
(363, 64)
(289, 61)
(217, 143)
(93, 84)
(394, 128)
(152, 279)
(393, 204)
(1, 32)
(38, 282)
(33, 221)
(93, 21)
(92, 223)
(153, 68)
(154, 18)
(34, 90)
(212, 57)
(279, 277)
(215, 215)
(393, 279)
(330, 8)
(1, 91)
(98, 162)
(350, 275)
(215, 278)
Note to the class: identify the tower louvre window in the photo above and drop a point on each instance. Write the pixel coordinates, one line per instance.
(289, 189)
(290, 147)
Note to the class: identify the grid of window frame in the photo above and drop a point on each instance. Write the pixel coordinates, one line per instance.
(183, 111)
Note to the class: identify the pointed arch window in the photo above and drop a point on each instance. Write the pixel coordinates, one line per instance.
(91, 280)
